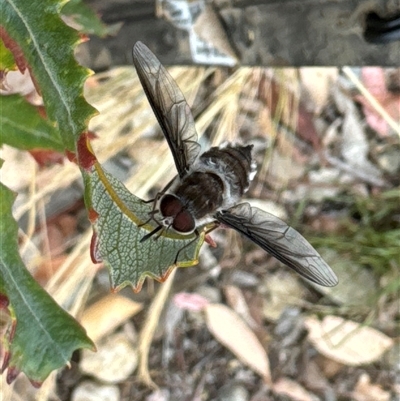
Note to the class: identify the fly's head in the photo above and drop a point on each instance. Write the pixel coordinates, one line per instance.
(176, 215)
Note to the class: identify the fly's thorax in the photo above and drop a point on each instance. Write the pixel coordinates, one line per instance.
(192, 201)
(234, 165)
(201, 192)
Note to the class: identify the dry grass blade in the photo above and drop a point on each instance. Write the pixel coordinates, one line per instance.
(280, 90)
(71, 284)
(149, 327)
(55, 177)
(226, 100)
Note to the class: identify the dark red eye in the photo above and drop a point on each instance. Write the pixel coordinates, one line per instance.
(183, 221)
(170, 205)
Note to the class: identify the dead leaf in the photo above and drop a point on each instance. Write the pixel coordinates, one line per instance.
(115, 360)
(380, 106)
(237, 301)
(230, 330)
(374, 81)
(190, 302)
(345, 341)
(282, 99)
(104, 316)
(366, 391)
(292, 389)
(91, 390)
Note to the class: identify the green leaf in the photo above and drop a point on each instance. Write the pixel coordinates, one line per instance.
(118, 219)
(40, 40)
(23, 127)
(87, 20)
(45, 335)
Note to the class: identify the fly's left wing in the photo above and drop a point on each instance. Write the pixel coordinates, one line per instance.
(170, 107)
(277, 238)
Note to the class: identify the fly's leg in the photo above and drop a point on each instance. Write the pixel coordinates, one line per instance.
(211, 227)
(155, 200)
(188, 244)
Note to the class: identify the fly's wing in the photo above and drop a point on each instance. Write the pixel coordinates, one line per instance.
(277, 238)
(169, 106)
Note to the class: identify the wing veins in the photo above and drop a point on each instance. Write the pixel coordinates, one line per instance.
(169, 106)
(280, 240)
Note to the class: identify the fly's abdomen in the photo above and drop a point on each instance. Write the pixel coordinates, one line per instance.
(234, 164)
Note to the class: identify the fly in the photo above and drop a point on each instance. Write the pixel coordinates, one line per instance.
(209, 185)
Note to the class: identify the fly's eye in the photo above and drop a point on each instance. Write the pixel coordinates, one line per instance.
(184, 222)
(170, 205)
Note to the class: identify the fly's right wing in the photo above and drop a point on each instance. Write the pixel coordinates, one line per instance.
(170, 107)
(280, 240)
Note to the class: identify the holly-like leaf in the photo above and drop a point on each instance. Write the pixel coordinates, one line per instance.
(23, 127)
(41, 42)
(120, 221)
(42, 336)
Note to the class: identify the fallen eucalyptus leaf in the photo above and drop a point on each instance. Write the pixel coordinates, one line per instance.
(347, 342)
(105, 315)
(231, 331)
